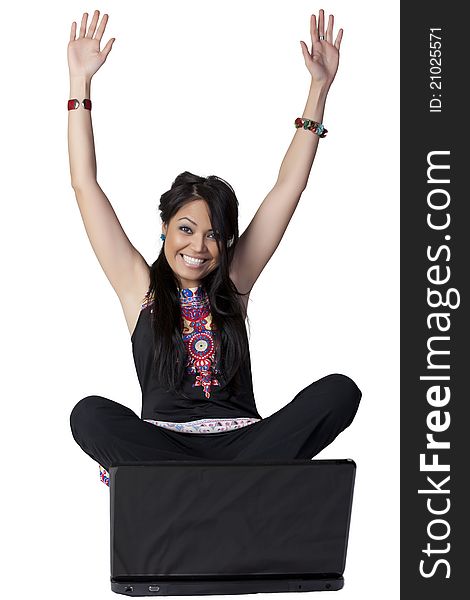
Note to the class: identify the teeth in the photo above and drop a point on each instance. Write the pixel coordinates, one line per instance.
(193, 261)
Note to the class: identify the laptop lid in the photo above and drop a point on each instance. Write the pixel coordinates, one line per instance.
(214, 520)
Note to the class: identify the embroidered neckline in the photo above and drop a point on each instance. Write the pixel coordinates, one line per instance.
(197, 290)
(198, 332)
(198, 337)
(184, 294)
(192, 296)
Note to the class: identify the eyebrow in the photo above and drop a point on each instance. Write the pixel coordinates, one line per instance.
(191, 221)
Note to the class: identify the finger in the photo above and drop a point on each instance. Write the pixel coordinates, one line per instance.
(339, 37)
(106, 50)
(83, 25)
(329, 31)
(305, 52)
(73, 31)
(313, 29)
(94, 21)
(102, 27)
(321, 24)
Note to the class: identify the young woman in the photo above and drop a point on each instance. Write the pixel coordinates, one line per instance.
(186, 312)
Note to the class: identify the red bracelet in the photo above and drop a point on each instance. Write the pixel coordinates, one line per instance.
(73, 104)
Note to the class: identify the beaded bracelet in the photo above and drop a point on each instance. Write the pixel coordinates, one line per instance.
(314, 126)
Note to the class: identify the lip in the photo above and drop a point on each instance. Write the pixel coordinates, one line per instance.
(192, 266)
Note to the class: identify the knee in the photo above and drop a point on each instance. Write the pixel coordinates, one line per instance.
(346, 394)
(84, 413)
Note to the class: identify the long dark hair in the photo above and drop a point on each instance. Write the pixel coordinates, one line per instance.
(230, 335)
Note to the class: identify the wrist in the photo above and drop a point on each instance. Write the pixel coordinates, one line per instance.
(316, 101)
(80, 86)
(320, 89)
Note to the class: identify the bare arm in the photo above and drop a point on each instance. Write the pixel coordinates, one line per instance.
(81, 143)
(263, 235)
(297, 163)
(122, 263)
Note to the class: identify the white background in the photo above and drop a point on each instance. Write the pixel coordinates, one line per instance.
(212, 87)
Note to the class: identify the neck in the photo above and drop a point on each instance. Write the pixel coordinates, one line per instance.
(184, 287)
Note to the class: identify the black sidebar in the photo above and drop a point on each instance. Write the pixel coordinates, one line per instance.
(435, 272)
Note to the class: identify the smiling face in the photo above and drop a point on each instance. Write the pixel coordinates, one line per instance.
(189, 233)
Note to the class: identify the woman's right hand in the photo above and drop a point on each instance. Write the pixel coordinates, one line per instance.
(83, 54)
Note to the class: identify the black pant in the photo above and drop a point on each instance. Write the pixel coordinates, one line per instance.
(110, 432)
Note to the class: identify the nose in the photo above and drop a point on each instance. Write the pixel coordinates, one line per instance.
(199, 245)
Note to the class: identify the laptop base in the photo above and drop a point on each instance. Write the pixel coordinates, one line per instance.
(181, 587)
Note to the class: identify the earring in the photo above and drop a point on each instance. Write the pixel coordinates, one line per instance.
(163, 236)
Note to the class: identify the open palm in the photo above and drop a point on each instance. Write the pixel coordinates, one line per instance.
(84, 55)
(322, 61)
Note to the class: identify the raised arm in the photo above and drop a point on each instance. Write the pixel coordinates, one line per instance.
(259, 241)
(122, 263)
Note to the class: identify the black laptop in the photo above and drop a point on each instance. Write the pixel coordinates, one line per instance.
(239, 527)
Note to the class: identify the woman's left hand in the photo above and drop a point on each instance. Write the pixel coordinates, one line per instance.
(322, 61)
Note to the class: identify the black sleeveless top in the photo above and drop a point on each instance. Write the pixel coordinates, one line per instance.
(209, 396)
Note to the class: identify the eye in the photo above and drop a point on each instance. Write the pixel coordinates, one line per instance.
(186, 227)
